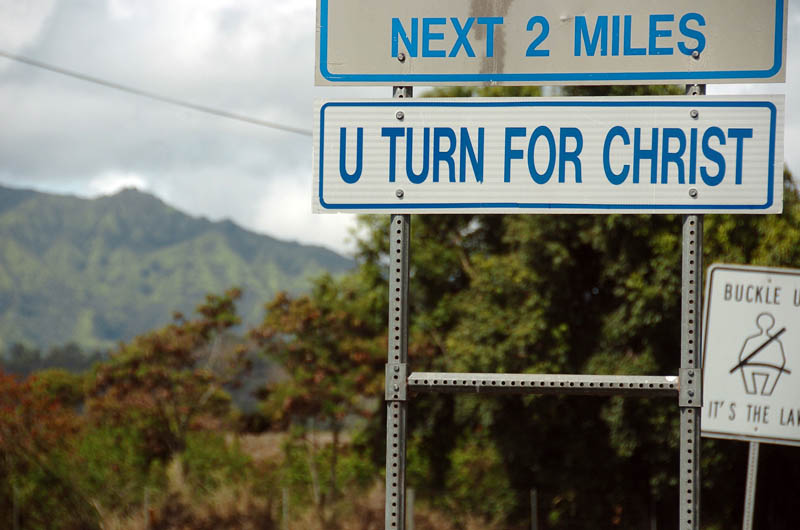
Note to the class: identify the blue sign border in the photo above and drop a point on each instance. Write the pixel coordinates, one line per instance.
(533, 77)
(693, 103)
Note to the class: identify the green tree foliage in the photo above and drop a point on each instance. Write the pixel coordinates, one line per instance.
(167, 382)
(147, 427)
(326, 341)
(328, 345)
(67, 388)
(40, 484)
(115, 466)
(563, 294)
(23, 360)
(210, 462)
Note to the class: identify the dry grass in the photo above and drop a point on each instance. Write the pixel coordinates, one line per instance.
(238, 507)
(263, 447)
(269, 446)
(366, 512)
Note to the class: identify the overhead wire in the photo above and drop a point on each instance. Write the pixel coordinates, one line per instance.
(153, 95)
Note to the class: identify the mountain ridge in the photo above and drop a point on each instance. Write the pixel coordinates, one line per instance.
(99, 271)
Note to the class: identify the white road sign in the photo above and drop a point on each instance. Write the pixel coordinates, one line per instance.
(751, 360)
(552, 42)
(552, 155)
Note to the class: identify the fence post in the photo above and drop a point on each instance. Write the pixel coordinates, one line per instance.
(534, 509)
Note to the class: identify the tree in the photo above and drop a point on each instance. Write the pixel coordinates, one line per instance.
(165, 382)
(332, 346)
(39, 482)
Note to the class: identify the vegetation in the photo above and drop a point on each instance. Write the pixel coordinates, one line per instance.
(150, 436)
(125, 262)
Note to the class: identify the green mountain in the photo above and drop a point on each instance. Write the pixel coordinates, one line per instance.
(103, 270)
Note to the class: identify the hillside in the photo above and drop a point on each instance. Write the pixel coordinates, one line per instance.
(97, 271)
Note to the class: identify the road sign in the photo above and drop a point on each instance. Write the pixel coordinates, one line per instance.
(751, 361)
(560, 42)
(550, 155)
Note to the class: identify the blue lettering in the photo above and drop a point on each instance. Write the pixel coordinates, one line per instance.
(656, 33)
(545, 25)
(647, 154)
(600, 36)
(615, 178)
(739, 135)
(444, 156)
(393, 133)
(615, 35)
(490, 23)
(428, 36)
(676, 157)
(418, 178)
(686, 31)
(462, 39)
(399, 32)
(351, 178)
(627, 49)
(542, 178)
(693, 156)
(476, 161)
(714, 156)
(511, 154)
(565, 156)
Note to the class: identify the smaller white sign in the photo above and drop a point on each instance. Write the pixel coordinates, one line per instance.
(751, 359)
(550, 155)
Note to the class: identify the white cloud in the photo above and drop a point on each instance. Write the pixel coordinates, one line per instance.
(285, 209)
(113, 181)
(22, 22)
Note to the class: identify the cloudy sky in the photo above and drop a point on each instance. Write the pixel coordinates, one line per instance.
(249, 57)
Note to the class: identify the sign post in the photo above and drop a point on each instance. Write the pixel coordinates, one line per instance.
(750, 486)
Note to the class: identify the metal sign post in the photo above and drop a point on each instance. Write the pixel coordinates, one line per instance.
(691, 395)
(396, 371)
(750, 486)
(396, 404)
(690, 399)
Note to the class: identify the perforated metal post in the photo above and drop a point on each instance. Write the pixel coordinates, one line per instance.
(396, 406)
(396, 372)
(750, 486)
(690, 397)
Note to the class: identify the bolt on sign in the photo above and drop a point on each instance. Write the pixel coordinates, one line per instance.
(751, 364)
(550, 155)
(361, 42)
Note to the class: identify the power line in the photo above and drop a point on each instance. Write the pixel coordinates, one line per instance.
(152, 95)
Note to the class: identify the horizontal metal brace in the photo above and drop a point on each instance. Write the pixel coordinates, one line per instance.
(690, 393)
(647, 386)
(396, 381)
